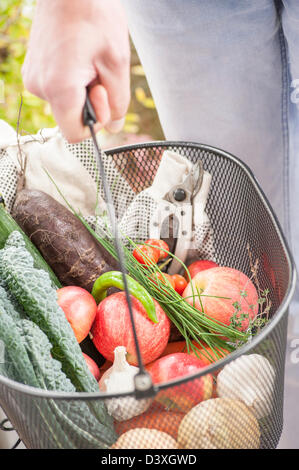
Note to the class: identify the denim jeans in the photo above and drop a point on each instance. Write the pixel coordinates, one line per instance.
(226, 73)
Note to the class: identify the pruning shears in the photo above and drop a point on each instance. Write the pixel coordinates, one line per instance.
(179, 213)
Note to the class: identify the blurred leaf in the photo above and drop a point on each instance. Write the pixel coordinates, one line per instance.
(138, 70)
(140, 94)
(143, 99)
(149, 103)
(132, 117)
(131, 128)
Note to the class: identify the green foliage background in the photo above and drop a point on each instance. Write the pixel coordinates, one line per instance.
(15, 23)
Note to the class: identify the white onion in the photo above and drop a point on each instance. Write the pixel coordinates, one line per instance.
(250, 378)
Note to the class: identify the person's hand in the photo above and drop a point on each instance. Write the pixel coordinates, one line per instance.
(73, 44)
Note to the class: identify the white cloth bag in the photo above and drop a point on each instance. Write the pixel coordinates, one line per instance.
(45, 151)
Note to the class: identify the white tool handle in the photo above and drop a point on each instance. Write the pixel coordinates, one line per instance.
(184, 215)
(184, 237)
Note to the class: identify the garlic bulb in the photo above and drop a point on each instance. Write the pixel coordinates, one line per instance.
(119, 379)
(250, 378)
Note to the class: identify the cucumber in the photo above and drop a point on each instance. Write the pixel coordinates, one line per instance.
(9, 225)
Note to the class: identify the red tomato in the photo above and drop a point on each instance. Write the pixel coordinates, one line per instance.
(180, 283)
(164, 278)
(159, 244)
(146, 255)
(80, 309)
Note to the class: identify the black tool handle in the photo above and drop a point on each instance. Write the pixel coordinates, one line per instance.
(89, 116)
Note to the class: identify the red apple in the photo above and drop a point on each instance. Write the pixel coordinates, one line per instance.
(206, 354)
(112, 328)
(177, 365)
(198, 266)
(224, 282)
(80, 309)
(92, 366)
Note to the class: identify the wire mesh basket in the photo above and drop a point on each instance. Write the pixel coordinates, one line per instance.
(236, 402)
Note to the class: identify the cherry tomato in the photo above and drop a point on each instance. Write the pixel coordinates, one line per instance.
(146, 255)
(159, 244)
(180, 283)
(164, 279)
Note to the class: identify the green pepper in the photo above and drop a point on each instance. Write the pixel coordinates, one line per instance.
(115, 279)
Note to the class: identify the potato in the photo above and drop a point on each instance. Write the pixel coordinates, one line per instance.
(219, 423)
(67, 246)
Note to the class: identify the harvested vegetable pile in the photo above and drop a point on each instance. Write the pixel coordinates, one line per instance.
(56, 273)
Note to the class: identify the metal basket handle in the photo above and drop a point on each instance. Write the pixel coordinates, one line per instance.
(143, 382)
